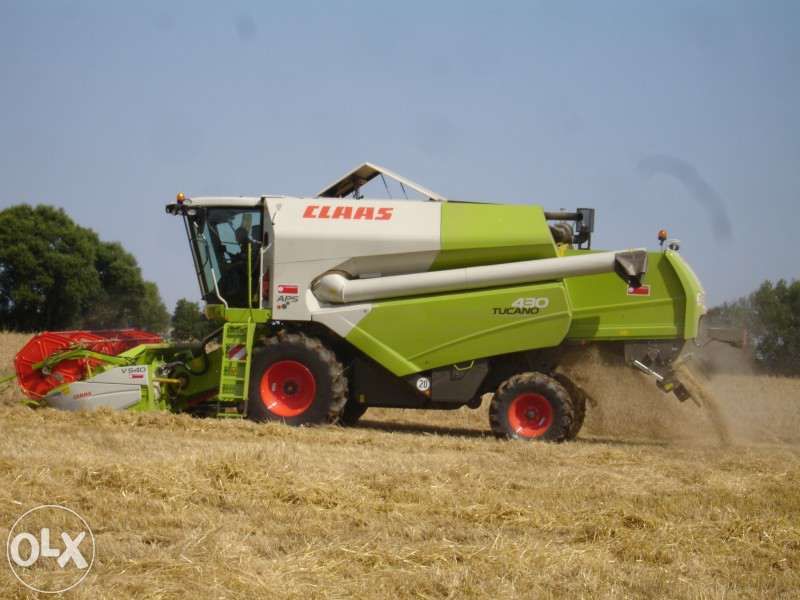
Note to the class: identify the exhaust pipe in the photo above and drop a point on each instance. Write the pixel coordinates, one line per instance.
(336, 288)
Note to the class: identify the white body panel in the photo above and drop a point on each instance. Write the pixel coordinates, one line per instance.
(136, 375)
(227, 201)
(339, 319)
(311, 236)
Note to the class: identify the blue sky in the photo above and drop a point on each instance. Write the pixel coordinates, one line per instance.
(108, 109)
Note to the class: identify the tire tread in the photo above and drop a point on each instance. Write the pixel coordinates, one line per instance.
(542, 382)
(334, 368)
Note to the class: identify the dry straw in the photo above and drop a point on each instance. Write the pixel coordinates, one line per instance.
(425, 505)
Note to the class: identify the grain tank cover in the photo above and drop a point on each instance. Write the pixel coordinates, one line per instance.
(363, 174)
(482, 234)
(471, 233)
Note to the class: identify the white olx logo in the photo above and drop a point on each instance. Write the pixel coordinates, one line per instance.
(50, 549)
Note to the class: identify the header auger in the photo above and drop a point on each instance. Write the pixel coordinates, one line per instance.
(332, 304)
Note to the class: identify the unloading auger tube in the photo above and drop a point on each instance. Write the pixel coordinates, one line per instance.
(335, 287)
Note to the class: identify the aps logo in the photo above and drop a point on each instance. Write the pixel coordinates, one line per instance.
(50, 549)
(289, 294)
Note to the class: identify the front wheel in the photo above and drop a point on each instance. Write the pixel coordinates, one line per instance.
(297, 380)
(532, 406)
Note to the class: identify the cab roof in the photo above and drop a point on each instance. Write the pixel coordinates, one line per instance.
(347, 185)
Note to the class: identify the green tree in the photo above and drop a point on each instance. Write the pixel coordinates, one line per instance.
(738, 313)
(775, 326)
(125, 299)
(771, 316)
(55, 274)
(152, 314)
(46, 269)
(189, 323)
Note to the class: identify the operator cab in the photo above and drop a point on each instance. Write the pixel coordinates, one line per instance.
(226, 239)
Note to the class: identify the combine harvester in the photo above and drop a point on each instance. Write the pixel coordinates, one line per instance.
(332, 304)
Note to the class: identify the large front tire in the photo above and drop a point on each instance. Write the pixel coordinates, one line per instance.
(532, 406)
(296, 380)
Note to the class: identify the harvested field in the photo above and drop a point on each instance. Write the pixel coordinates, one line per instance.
(647, 503)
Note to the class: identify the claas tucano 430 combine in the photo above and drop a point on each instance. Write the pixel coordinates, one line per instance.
(332, 304)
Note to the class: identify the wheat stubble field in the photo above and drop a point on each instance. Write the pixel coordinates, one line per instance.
(647, 503)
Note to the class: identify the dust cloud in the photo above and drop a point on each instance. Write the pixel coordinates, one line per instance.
(736, 405)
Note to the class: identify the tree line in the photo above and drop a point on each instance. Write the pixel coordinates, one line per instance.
(56, 275)
(771, 318)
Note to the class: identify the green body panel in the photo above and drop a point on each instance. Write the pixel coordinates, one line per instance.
(416, 334)
(149, 399)
(150, 355)
(483, 234)
(218, 312)
(206, 382)
(144, 353)
(603, 309)
(693, 291)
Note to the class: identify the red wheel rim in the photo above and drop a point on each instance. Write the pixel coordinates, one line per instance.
(530, 415)
(287, 388)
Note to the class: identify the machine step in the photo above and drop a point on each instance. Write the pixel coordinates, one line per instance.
(237, 342)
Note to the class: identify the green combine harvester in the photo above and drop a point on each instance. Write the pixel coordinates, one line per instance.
(332, 304)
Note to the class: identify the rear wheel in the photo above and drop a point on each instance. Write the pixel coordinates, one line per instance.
(532, 406)
(297, 380)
